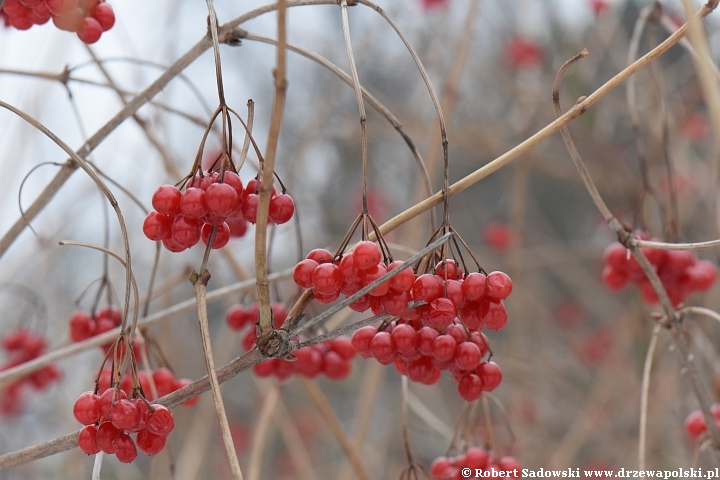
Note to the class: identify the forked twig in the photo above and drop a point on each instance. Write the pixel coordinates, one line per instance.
(673, 322)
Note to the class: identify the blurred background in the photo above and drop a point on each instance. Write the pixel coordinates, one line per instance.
(572, 353)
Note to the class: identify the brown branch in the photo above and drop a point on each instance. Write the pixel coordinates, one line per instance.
(629, 241)
(265, 323)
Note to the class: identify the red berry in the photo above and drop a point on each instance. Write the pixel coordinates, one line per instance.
(442, 312)
(495, 317)
(124, 415)
(236, 317)
(370, 275)
(192, 203)
(490, 374)
(470, 387)
(320, 255)
(361, 340)
(106, 436)
(238, 225)
(170, 245)
(87, 440)
(382, 348)
(453, 271)
(160, 422)
(335, 367)
(403, 281)
(474, 286)
(82, 327)
(342, 346)
(326, 279)
(395, 303)
(282, 208)
(427, 288)
(367, 255)
(250, 207)
(126, 451)
(221, 199)
(467, 356)
(426, 340)
(107, 398)
(405, 338)
(444, 348)
(695, 424)
(185, 232)
(87, 408)
(222, 235)
(164, 381)
(420, 369)
(166, 199)
(499, 285)
(614, 278)
(149, 443)
(303, 273)
(157, 226)
(182, 383)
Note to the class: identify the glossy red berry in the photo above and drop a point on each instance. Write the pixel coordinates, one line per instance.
(467, 356)
(87, 408)
(89, 30)
(149, 443)
(361, 340)
(442, 312)
(166, 199)
(326, 279)
(126, 451)
(367, 255)
(124, 415)
(250, 207)
(370, 275)
(490, 374)
(495, 317)
(402, 282)
(157, 226)
(82, 327)
(382, 348)
(320, 255)
(303, 272)
(335, 367)
(222, 235)
(161, 421)
(87, 440)
(192, 203)
(499, 285)
(104, 14)
(282, 208)
(444, 348)
(470, 387)
(106, 436)
(221, 199)
(185, 231)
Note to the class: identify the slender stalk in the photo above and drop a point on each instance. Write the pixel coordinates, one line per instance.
(672, 320)
(200, 289)
(645, 395)
(265, 323)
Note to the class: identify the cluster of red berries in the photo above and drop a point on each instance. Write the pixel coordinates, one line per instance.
(680, 271)
(477, 298)
(22, 346)
(110, 418)
(239, 316)
(182, 219)
(84, 326)
(88, 18)
(164, 379)
(332, 358)
(695, 422)
(421, 353)
(450, 468)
